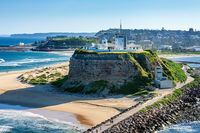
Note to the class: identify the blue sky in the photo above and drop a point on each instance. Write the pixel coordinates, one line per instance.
(30, 16)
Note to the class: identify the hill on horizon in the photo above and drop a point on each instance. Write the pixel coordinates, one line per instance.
(44, 35)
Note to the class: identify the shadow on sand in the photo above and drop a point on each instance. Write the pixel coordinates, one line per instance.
(41, 96)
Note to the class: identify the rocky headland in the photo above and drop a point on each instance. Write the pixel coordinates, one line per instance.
(117, 72)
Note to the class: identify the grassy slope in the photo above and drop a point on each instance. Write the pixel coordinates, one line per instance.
(175, 95)
(171, 69)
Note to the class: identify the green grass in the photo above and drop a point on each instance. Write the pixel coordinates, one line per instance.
(143, 73)
(175, 95)
(132, 87)
(195, 82)
(141, 93)
(190, 71)
(42, 79)
(83, 51)
(38, 81)
(173, 70)
(97, 86)
(59, 82)
(141, 61)
(54, 75)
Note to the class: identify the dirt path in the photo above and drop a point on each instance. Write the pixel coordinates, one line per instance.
(161, 94)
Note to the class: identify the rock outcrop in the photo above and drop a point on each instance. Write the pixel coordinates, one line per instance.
(92, 70)
(184, 108)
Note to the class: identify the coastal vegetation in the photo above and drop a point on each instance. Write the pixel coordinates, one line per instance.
(176, 93)
(60, 81)
(54, 75)
(173, 70)
(178, 107)
(66, 42)
(144, 63)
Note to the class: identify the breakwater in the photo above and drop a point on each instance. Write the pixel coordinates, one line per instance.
(182, 109)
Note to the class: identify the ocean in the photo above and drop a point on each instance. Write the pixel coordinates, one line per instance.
(14, 41)
(194, 59)
(14, 61)
(17, 119)
(191, 127)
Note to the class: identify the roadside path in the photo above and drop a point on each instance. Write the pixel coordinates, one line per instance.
(161, 94)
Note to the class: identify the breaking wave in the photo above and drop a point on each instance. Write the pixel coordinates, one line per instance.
(2, 60)
(27, 61)
(20, 121)
(191, 127)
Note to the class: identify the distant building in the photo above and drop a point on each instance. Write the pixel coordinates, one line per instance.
(91, 46)
(120, 43)
(146, 44)
(131, 42)
(120, 40)
(193, 48)
(134, 47)
(165, 47)
(160, 81)
(21, 44)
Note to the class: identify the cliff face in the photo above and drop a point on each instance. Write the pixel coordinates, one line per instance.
(89, 70)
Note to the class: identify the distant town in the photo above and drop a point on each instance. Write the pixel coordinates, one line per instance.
(117, 39)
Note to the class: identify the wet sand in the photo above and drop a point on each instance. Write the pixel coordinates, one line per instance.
(89, 110)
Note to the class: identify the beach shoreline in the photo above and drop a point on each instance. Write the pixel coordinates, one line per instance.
(169, 56)
(89, 110)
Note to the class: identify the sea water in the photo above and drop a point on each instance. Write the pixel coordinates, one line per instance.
(190, 127)
(193, 59)
(17, 119)
(14, 41)
(14, 61)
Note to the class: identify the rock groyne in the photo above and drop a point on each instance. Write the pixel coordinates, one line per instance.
(185, 108)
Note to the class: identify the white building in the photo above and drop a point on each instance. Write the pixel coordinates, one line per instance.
(120, 41)
(160, 81)
(120, 44)
(21, 44)
(134, 47)
(165, 47)
(91, 46)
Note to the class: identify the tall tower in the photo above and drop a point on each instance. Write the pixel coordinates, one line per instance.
(120, 39)
(120, 30)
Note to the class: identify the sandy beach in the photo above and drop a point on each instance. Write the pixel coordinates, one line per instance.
(89, 110)
(178, 55)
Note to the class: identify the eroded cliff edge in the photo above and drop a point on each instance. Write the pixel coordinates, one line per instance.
(116, 72)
